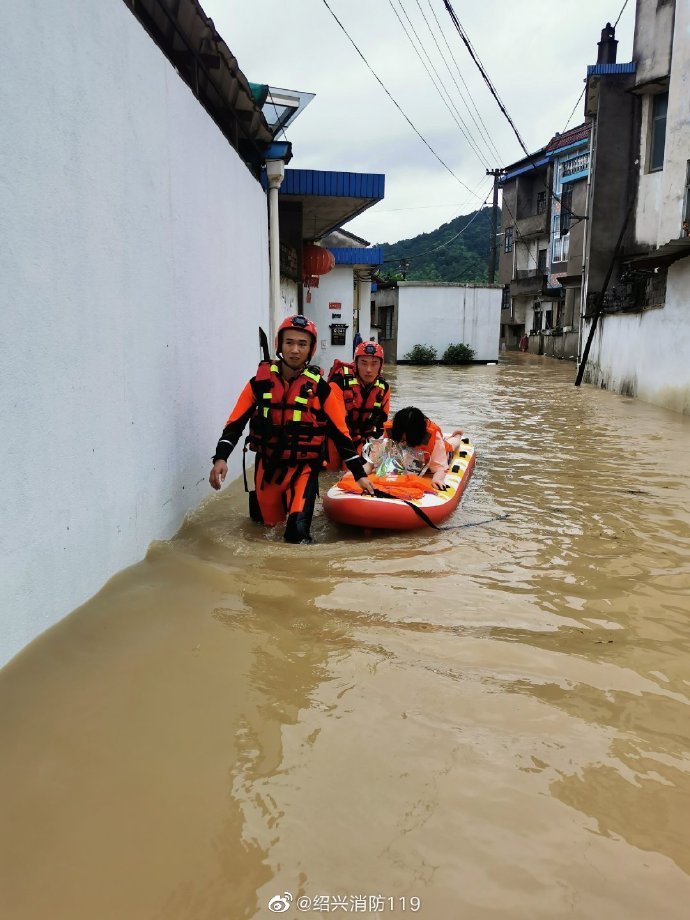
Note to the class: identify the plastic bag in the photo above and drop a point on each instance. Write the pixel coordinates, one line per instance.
(390, 458)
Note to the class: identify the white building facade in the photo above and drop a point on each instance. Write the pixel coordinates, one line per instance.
(646, 352)
(135, 275)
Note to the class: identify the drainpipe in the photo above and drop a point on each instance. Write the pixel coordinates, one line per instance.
(363, 307)
(585, 240)
(275, 172)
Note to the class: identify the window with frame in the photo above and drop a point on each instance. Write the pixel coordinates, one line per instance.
(541, 202)
(541, 261)
(505, 297)
(560, 245)
(508, 240)
(657, 138)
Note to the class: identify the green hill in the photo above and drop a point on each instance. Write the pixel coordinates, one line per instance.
(445, 254)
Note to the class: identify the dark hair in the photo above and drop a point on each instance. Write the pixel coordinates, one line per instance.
(410, 424)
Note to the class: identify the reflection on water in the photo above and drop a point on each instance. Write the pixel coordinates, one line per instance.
(492, 719)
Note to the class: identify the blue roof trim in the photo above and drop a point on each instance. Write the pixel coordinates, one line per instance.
(558, 151)
(518, 172)
(333, 184)
(346, 255)
(601, 69)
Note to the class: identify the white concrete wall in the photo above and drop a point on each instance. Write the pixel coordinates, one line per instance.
(449, 314)
(654, 26)
(289, 297)
(650, 192)
(335, 287)
(647, 354)
(134, 274)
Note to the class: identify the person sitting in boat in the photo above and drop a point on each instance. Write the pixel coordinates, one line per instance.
(412, 443)
(365, 395)
(291, 409)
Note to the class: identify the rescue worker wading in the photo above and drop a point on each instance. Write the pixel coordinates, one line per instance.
(291, 409)
(365, 394)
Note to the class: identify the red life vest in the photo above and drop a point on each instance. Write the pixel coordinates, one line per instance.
(427, 447)
(288, 425)
(363, 405)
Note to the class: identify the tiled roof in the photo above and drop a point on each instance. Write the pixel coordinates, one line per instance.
(568, 137)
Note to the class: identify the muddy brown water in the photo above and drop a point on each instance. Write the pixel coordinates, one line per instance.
(493, 720)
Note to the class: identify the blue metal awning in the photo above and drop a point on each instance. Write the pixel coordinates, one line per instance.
(329, 199)
(518, 172)
(333, 184)
(600, 69)
(352, 255)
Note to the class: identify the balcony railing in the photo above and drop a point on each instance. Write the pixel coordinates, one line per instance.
(635, 292)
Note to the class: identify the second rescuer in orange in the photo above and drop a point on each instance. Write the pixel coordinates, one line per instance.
(291, 409)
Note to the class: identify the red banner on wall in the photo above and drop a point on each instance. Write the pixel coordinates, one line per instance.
(334, 306)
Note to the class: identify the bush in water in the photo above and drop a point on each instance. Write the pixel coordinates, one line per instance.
(458, 354)
(421, 354)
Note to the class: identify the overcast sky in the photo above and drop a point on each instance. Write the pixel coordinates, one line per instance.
(535, 52)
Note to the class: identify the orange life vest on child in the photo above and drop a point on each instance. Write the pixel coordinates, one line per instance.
(288, 425)
(363, 406)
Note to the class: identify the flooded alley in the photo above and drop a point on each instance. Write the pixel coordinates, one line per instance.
(486, 722)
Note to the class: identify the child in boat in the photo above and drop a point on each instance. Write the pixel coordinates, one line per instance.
(422, 446)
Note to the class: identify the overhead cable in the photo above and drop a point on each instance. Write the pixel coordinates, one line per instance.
(446, 242)
(574, 108)
(483, 130)
(395, 103)
(446, 99)
(620, 14)
(475, 58)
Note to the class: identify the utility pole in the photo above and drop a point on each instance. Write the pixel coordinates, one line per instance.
(494, 217)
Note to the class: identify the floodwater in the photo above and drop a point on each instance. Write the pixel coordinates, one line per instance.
(488, 722)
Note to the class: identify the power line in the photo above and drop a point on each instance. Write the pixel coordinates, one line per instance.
(468, 224)
(574, 107)
(455, 115)
(620, 14)
(395, 103)
(473, 54)
(520, 238)
(482, 129)
(446, 242)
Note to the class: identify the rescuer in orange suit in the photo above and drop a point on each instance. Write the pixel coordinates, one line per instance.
(291, 409)
(365, 394)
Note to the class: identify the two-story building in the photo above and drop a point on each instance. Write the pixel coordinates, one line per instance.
(544, 203)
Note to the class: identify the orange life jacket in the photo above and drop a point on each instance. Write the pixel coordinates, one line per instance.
(288, 425)
(427, 447)
(407, 486)
(363, 405)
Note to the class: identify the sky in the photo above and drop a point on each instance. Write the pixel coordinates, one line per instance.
(535, 53)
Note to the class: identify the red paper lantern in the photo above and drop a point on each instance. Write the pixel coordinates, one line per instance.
(316, 261)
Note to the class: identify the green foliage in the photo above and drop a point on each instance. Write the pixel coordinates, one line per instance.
(421, 354)
(458, 354)
(456, 252)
